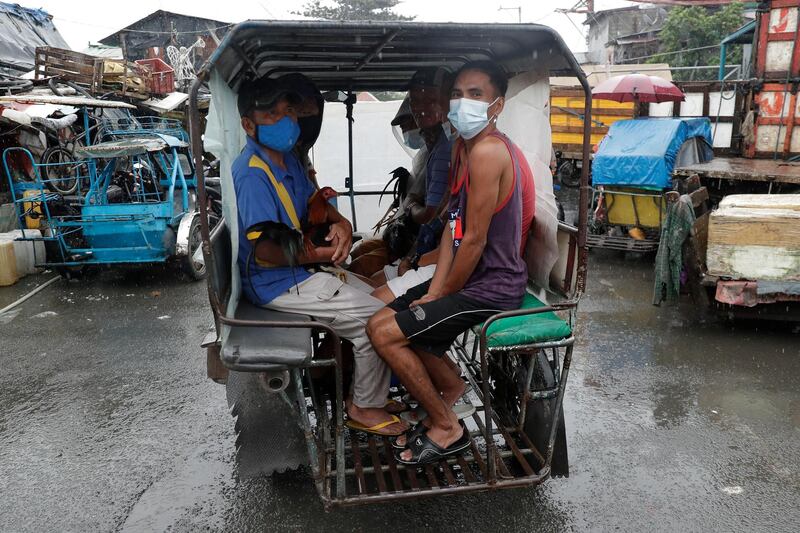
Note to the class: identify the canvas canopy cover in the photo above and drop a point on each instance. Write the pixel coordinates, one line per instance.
(642, 152)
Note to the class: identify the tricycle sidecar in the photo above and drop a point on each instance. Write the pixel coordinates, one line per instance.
(517, 362)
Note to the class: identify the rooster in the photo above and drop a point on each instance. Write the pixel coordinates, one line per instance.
(317, 226)
(291, 241)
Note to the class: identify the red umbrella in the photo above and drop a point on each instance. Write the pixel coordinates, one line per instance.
(638, 88)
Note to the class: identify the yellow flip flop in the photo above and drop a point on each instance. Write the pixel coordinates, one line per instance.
(374, 430)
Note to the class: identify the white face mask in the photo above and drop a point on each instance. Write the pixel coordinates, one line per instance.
(448, 130)
(469, 117)
(413, 139)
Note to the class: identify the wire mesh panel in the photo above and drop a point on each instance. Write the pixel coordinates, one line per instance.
(114, 127)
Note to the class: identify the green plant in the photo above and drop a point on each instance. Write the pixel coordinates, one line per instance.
(688, 29)
(352, 10)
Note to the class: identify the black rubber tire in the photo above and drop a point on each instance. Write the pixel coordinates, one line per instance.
(69, 273)
(194, 270)
(568, 174)
(55, 155)
(539, 415)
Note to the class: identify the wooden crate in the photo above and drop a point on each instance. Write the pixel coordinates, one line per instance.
(83, 69)
(755, 237)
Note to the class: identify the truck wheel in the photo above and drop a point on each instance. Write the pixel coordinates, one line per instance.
(539, 416)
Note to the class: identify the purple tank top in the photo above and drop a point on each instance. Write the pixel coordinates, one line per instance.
(500, 276)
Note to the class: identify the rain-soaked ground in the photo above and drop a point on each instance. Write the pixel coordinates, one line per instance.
(675, 422)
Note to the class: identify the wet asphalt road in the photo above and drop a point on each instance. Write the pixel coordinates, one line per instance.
(676, 422)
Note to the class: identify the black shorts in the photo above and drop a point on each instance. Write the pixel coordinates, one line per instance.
(434, 326)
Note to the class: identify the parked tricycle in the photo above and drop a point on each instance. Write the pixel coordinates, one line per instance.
(132, 201)
(631, 172)
(281, 389)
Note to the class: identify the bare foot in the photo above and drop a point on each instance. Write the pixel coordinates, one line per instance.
(443, 436)
(373, 416)
(393, 407)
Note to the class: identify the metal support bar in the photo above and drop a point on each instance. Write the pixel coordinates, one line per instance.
(559, 402)
(377, 50)
(351, 181)
(306, 425)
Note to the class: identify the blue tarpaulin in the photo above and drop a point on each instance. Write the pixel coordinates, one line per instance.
(641, 152)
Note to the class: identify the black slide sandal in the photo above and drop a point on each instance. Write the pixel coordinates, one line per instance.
(424, 450)
(411, 434)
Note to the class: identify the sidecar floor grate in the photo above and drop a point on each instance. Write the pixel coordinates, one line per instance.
(372, 474)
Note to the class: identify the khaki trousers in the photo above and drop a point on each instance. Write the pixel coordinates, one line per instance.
(346, 307)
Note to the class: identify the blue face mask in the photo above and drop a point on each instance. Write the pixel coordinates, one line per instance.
(280, 136)
(469, 117)
(413, 139)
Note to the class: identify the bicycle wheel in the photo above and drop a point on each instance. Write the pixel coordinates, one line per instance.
(61, 171)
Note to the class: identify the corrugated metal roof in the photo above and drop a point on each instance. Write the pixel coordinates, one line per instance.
(101, 50)
(161, 17)
(382, 55)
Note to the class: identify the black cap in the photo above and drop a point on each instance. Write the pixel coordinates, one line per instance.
(434, 77)
(301, 84)
(263, 94)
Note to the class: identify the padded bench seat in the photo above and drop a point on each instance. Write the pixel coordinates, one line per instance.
(527, 329)
(268, 347)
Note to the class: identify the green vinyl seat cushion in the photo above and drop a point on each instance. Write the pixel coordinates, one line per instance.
(527, 329)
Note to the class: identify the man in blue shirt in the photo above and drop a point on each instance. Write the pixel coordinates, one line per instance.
(272, 187)
(429, 96)
(428, 92)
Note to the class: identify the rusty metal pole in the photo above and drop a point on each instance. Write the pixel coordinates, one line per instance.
(583, 198)
(123, 44)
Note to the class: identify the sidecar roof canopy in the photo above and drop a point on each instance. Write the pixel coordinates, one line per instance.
(129, 146)
(383, 55)
(77, 101)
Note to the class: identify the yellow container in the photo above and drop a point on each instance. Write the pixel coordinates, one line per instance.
(8, 264)
(635, 208)
(32, 222)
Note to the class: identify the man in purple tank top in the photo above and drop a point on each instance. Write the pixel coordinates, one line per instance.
(479, 272)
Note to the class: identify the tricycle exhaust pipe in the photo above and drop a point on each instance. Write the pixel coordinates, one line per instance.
(275, 381)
